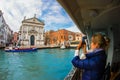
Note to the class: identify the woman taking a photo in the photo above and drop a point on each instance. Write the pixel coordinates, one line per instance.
(94, 61)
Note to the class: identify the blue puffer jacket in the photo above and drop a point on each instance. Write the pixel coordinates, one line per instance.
(93, 65)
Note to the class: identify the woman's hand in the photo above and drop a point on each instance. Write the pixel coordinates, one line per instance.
(79, 45)
(84, 48)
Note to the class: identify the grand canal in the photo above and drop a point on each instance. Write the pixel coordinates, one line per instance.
(45, 64)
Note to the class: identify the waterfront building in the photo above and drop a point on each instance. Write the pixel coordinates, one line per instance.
(15, 38)
(78, 36)
(59, 37)
(47, 37)
(1, 29)
(32, 32)
(8, 35)
(5, 32)
(65, 35)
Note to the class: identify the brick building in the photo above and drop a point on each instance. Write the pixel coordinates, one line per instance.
(78, 36)
(58, 37)
(15, 38)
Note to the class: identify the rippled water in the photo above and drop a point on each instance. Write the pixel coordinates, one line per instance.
(45, 64)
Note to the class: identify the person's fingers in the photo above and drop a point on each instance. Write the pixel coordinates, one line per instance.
(79, 45)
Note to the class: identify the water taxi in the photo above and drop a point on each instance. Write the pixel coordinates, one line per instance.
(10, 49)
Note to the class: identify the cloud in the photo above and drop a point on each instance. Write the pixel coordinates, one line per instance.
(73, 29)
(15, 10)
(55, 17)
(50, 11)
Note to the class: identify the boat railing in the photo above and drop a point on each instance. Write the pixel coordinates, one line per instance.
(74, 74)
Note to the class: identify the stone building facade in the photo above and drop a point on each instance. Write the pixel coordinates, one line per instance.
(5, 32)
(31, 32)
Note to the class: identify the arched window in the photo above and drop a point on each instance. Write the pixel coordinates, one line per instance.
(32, 40)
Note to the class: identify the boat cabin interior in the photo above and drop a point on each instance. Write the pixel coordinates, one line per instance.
(92, 16)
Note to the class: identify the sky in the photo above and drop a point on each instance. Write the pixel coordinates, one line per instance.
(49, 11)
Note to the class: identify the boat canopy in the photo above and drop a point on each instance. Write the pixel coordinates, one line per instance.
(96, 14)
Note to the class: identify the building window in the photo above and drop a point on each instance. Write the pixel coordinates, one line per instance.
(64, 37)
(61, 37)
(17, 38)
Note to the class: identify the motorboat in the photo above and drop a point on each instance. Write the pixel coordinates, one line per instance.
(63, 47)
(9, 49)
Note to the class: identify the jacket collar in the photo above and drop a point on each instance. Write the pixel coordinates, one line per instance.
(95, 52)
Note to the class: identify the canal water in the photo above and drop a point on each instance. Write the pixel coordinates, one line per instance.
(45, 64)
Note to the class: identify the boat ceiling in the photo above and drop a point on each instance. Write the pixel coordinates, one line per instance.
(97, 14)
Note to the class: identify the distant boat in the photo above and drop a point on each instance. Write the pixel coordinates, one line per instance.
(63, 47)
(20, 49)
(65, 44)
